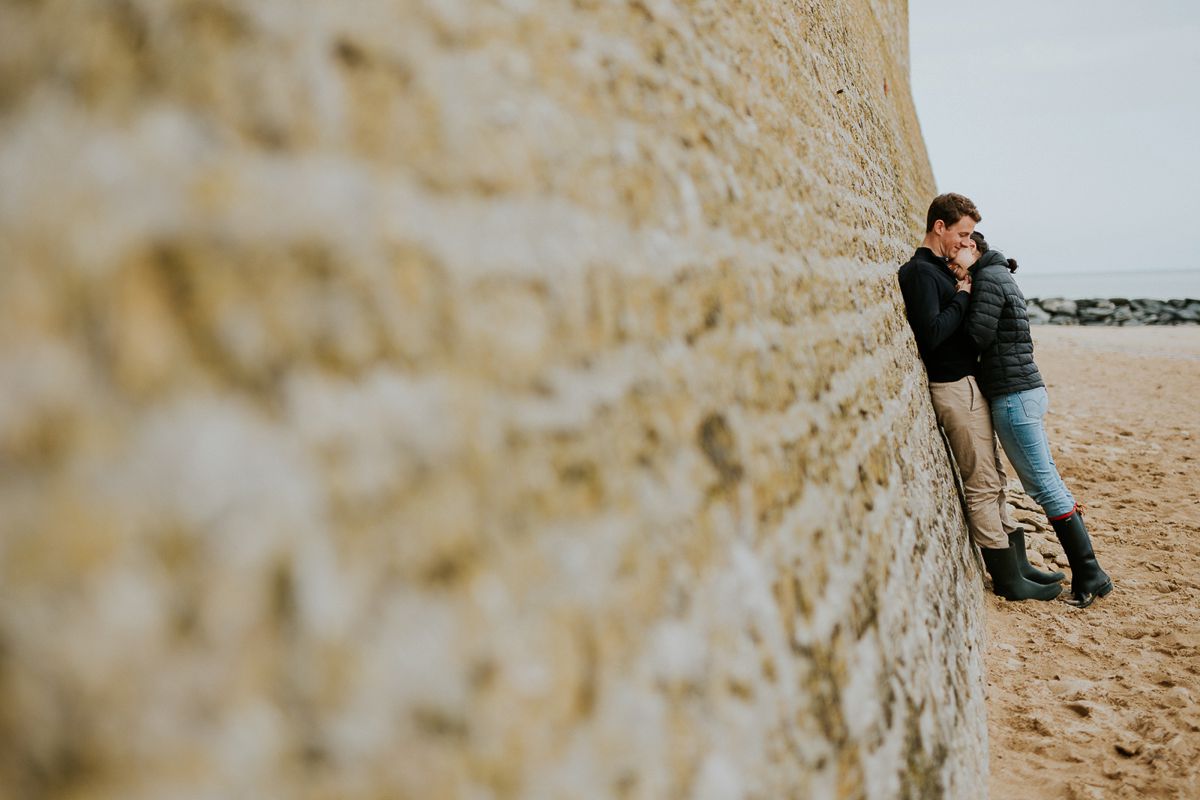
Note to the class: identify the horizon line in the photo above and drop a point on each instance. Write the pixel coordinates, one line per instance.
(1110, 272)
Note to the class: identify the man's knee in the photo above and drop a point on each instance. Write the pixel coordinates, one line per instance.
(988, 491)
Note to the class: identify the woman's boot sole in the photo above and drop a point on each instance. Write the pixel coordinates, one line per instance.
(1090, 597)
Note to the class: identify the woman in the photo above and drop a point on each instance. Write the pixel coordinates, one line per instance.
(1007, 376)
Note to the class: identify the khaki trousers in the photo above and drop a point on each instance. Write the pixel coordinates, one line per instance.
(964, 414)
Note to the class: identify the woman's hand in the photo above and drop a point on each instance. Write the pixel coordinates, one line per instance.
(963, 285)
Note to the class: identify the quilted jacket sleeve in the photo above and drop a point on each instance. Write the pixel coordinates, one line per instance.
(987, 302)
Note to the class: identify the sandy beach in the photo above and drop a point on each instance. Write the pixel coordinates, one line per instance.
(1104, 702)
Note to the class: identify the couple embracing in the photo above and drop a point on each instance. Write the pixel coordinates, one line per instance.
(972, 332)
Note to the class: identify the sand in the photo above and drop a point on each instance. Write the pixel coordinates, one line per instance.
(1104, 702)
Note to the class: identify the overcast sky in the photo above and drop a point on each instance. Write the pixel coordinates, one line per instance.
(1074, 126)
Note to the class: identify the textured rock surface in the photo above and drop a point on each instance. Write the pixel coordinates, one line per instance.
(471, 399)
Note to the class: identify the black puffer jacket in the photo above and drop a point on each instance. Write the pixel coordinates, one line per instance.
(999, 325)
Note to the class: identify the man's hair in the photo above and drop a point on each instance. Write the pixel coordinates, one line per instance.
(950, 208)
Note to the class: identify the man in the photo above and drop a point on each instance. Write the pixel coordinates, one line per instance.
(936, 300)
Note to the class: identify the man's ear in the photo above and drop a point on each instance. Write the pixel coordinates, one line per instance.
(939, 227)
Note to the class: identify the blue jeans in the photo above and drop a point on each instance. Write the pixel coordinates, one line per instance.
(1017, 418)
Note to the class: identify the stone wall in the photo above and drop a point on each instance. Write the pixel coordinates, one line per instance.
(471, 399)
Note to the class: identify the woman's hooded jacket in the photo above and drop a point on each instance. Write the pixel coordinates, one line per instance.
(999, 325)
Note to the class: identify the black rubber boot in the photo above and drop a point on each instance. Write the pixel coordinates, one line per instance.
(1088, 581)
(1016, 540)
(1007, 581)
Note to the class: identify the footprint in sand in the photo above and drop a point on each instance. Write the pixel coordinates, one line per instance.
(1131, 632)
(1184, 640)
(1081, 709)
(1127, 745)
(1072, 688)
(1178, 697)
(1035, 725)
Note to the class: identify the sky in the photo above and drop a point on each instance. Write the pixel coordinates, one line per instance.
(1074, 126)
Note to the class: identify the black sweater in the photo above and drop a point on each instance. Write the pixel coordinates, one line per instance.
(999, 325)
(936, 312)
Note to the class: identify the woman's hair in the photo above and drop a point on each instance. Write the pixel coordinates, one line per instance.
(982, 245)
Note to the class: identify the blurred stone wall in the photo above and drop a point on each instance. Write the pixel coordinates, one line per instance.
(471, 399)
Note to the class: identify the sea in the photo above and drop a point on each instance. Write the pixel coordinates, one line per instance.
(1154, 284)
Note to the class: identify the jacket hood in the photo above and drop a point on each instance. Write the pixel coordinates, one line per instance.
(992, 258)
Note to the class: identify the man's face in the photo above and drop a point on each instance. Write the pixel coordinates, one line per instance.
(955, 237)
(966, 258)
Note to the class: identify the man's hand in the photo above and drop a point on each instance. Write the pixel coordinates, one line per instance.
(963, 286)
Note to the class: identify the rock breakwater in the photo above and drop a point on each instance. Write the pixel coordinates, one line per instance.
(1113, 311)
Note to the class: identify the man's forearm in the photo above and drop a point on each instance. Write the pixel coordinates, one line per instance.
(940, 326)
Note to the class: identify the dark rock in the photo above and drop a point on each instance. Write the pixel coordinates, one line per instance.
(1100, 310)
(1063, 319)
(1057, 305)
(1036, 315)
